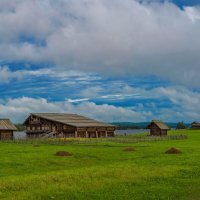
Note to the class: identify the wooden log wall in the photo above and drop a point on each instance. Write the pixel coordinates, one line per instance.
(155, 130)
(37, 126)
(6, 135)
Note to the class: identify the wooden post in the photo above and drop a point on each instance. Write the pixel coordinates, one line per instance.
(96, 134)
(106, 134)
(86, 134)
(75, 134)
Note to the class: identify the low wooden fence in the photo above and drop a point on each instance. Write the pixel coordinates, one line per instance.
(128, 139)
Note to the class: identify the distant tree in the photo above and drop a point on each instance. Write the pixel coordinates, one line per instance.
(20, 127)
(180, 125)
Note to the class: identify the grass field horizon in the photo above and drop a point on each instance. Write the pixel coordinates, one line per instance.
(102, 170)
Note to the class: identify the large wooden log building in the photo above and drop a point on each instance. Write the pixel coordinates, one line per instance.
(158, 128)
(66, 125)
(6, 129)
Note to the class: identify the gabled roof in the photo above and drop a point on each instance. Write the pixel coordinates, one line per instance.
(159, 124)
(6, 124)
(195, 124)
(71, 119)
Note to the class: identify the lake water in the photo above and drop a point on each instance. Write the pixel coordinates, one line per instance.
(22, 135)
(19, 135)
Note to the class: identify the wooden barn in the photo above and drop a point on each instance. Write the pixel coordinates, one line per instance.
(6, 129)
(66, 125)
(195, 125)
(158, 128)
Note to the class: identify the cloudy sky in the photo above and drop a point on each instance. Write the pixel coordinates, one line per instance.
(112, 60)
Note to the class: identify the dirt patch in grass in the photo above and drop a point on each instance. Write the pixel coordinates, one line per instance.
(173, 151)
(129, 149)
(63, 153)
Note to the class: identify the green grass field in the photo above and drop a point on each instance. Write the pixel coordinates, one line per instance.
(102, 170)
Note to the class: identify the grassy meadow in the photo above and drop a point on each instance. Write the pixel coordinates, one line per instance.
(102, 169)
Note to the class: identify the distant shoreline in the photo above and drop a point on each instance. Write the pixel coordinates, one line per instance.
(141, 125)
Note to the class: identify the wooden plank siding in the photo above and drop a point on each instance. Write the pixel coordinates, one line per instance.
(158, 128)
(6, 129)
(6, 135)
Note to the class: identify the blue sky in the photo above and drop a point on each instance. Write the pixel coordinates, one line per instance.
(180, 3)
(114, 60)
(186, 2)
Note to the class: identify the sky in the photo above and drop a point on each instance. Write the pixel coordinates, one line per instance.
(111, 60)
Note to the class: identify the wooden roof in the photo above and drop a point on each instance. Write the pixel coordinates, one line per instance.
(195, 124)
(71, 119)
(6, 124)
(160, 125)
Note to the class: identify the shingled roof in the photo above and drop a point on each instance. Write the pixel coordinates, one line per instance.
(160, 124)
(195, 124)
(71, 119)
(6, 124)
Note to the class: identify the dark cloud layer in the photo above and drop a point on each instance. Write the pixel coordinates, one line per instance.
(65, 42)
(115, 37)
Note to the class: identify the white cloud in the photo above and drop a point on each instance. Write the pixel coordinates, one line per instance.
(92, 92)
(76, 100)
(18, 109)
(183, 102)
(116, 37)
(7, 75)
(187, 100)
(184, 107)
(193, 13)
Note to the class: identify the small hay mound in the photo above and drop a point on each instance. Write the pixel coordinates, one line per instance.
(129, 149)
(63, 153)
(173, 151)
(36, 145)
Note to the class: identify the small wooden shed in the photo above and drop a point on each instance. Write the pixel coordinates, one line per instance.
(158, 128)
(195, 125)
(6, 129)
